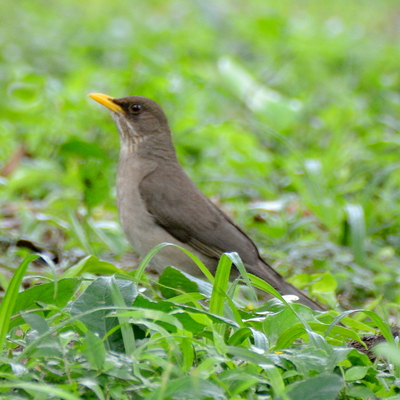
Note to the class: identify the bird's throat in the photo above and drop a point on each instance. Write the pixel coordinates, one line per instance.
(129, 138)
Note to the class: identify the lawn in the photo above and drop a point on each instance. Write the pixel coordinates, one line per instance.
(286, 114)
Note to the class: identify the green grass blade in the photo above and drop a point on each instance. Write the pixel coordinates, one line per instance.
(276, 381)
(140, 271)
(40, 388)
(220, 285)
(80, 234)
(356, 220)
(126, 329)
(7, 306)
(240, 266)
(383, 326)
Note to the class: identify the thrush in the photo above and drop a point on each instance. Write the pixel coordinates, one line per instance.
(158, 202)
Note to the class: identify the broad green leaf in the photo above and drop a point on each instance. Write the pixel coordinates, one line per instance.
(321, 387)
(98, 294)
(325, 284)
(44, 294)
(48, 346)
(36, 322)
(187, 387)
(94, 350)
(173, 282)
(356, 373)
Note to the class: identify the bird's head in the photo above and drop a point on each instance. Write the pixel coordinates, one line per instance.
(136, 117)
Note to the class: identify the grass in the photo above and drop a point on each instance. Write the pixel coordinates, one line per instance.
(285, 113)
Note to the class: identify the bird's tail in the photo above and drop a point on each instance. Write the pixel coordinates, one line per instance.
(268, 274)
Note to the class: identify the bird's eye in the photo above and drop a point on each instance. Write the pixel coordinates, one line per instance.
(135, 108)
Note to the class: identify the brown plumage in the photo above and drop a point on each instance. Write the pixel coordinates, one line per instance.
(158, 202)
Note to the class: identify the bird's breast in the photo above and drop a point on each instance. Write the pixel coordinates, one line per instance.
(133, 214)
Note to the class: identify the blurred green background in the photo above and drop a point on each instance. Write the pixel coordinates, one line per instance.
(284, 112)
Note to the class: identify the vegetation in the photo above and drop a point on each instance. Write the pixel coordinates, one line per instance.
(285, 113)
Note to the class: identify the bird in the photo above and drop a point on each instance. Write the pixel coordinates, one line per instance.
(157, 201)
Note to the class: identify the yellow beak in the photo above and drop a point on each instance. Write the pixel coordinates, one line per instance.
(106, 101)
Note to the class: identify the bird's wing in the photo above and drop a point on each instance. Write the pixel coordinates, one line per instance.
(187, 214)
(182, 209)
